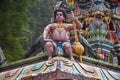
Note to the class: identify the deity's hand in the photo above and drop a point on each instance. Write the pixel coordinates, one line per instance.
(48, 40)
(72, 18)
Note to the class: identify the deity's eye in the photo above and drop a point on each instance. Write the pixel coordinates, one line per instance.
(59, 14)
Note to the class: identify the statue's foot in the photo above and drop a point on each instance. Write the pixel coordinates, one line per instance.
(49, 57)
(72, 59)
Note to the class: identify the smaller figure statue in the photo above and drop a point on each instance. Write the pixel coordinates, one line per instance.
(56, 35)
(99, 53)
(97, 28)
(107, 20)
(87, 20)
(110, 27)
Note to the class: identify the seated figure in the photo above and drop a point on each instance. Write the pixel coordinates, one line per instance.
(57, 34)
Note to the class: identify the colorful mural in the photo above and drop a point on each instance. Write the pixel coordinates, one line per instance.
(60, 68)
(101, 22)
(100, 37)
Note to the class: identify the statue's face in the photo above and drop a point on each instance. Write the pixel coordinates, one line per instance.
(59, 16)
(87, 14)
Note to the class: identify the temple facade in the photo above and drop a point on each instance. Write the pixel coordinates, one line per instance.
(101, 34)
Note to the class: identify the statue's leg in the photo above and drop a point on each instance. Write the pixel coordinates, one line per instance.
(68, 50)
(49, 48)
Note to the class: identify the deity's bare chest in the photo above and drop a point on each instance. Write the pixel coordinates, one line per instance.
(59, 27)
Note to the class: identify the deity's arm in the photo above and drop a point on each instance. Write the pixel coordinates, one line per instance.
(74, 19)
(46, 33)
(78, 24)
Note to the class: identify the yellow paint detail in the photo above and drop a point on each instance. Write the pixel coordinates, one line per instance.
(70, 2)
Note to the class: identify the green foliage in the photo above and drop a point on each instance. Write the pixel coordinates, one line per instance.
(13, 28)
(21, 22)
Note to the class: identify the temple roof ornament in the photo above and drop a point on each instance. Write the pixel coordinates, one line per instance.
(59, 68)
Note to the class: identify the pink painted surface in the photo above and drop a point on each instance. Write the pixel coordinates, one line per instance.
(87, 68)
(11, 73)
(118, 10)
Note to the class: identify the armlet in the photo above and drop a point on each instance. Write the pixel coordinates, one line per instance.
(46, 28)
